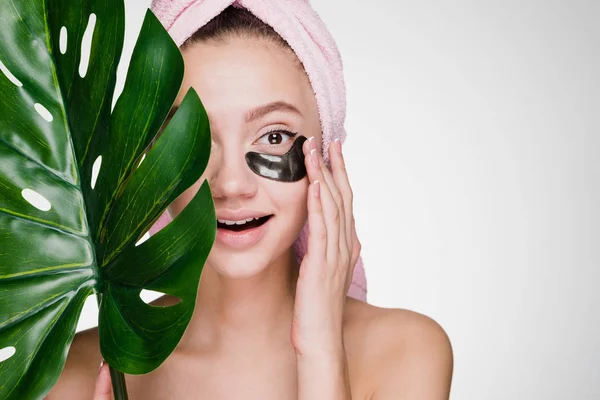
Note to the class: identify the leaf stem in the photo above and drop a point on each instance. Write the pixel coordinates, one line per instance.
(117, 378)
(118, 384)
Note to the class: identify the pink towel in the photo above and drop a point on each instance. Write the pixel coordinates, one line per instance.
(302, 28)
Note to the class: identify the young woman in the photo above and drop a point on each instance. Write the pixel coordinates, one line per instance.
(266, 326)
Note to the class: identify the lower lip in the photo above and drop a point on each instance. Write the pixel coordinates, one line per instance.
(242, 239)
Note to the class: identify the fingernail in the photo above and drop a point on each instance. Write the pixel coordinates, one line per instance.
(101, 365)
(310, 141)
(317, 189)
(313, 142)
(339, 145)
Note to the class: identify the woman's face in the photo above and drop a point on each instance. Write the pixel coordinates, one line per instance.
(235, 79)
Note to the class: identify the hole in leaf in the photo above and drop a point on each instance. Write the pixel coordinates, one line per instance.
(36, 199)
(145, 237)
(62, 41)
(86, 45)
(7, 353)
(149, 296)
(43, 111)
(9, 75)
(96, 170)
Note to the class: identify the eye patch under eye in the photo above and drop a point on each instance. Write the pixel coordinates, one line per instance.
(285, 168)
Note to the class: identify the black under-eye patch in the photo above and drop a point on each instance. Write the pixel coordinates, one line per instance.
(288, 167)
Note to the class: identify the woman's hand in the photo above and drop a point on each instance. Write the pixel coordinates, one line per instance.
(103, 389)
(333, 249)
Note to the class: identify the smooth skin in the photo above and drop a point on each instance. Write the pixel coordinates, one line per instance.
(265, 327)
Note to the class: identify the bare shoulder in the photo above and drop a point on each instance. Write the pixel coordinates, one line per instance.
(402, 354)
(79, 375)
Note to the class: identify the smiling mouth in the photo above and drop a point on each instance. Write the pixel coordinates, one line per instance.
(244, 226)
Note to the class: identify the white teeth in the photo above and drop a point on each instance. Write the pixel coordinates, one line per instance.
(242, 222)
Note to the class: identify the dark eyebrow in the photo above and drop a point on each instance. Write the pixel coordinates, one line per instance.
(263, 110)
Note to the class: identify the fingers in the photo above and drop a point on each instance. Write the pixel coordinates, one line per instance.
(330, 209)
(356, 246)
(340, 176)
(317, 231)
(103, 390)
(339, 201)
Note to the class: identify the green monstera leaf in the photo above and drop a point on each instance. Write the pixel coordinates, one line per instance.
(81, 184)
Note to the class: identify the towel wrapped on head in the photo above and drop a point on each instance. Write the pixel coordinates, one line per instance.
(304, 31)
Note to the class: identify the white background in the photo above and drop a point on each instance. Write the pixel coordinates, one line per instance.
(473, 129)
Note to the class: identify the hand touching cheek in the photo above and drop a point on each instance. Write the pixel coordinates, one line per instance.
(333, 248)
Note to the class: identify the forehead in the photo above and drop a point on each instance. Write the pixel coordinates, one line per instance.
(238, 74)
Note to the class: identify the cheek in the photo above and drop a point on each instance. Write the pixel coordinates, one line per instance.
(289, 198)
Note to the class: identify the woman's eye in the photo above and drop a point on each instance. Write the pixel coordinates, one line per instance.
(275, 138)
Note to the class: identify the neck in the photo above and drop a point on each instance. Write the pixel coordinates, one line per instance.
(231, 314)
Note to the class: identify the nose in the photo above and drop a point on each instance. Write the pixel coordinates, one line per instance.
(230, 176)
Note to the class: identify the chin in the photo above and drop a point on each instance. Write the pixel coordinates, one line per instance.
(238, 265)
